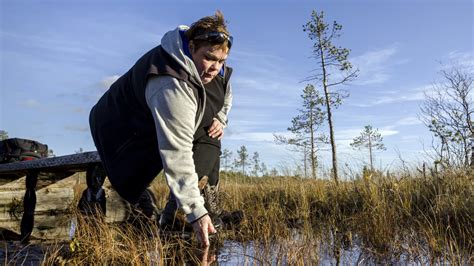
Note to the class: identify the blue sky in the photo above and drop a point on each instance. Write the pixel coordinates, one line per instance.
(58, 58)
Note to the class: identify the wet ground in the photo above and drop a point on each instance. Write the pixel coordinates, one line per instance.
(229, 253)
(14, 253)
(313, 251)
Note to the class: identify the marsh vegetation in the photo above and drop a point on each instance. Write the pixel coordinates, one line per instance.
(373, 217)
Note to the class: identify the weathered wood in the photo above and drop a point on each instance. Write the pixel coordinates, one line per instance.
(47, 212)
(54, 207)
(67, 163)
(57, 196)
(89, 161)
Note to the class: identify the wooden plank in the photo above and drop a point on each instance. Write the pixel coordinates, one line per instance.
(54, 204)
(67, 163)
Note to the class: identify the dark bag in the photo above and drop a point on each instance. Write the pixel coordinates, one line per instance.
(16, 149)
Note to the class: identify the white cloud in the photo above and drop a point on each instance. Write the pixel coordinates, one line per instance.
(49, 41)
(30, 103)
(256, 136)
(242, 56)
(266, 95)
(374, 66)
(464, 60)
(388, 131)
(77, 128)
(107, 81)
(351, 133)
(407, 121)
(36, 105)
(258, 73)
(400, 98)
(416, 94)
(79, 110)
(410, 139)
(347, 134)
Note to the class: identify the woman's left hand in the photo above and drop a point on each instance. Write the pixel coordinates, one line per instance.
(216, 129)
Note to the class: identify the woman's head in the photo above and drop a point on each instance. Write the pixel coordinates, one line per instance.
(210, 31)
(209, 44)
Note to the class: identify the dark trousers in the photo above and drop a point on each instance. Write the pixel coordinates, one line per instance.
(207, 161)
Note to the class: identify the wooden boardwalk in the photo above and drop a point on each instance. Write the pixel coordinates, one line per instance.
(55, 203)
(40, 194)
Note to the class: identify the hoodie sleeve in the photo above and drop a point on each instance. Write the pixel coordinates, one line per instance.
(174, 108)
(224, 112)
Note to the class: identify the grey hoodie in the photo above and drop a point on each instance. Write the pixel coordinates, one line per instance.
(174, 108)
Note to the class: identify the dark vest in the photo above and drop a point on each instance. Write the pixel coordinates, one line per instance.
(123, 127)
(123, 107)
(215, 96)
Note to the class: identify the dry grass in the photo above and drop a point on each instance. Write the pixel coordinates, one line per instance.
(380, 218)
(389, 218)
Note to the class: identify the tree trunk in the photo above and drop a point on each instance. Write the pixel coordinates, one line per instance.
(313, 160)
(472, 151)
(466, 153)
(370, 154)
(333, 143)
(305, 156)
(331, 129)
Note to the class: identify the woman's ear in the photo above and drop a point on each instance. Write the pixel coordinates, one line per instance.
(191, 46)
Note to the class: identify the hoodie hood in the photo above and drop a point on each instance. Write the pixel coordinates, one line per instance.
(175, 44)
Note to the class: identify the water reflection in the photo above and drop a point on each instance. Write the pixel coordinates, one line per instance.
(226, 252)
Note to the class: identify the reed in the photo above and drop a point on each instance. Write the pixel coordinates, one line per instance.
(382, 218)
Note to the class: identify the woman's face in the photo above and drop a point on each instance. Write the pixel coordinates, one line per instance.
(208, 61)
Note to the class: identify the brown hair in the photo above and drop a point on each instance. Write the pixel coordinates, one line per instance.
(206, 25)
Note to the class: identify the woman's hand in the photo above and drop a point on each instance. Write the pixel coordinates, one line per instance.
(202, 228)
(216, 129)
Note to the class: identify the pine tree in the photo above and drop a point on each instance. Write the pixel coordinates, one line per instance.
(225, 158)
(3, 134)
(256, 164)
(263, 169)
(370, 139)
(242, 158)
(274, 172)
(304, 129)
(332, 62)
